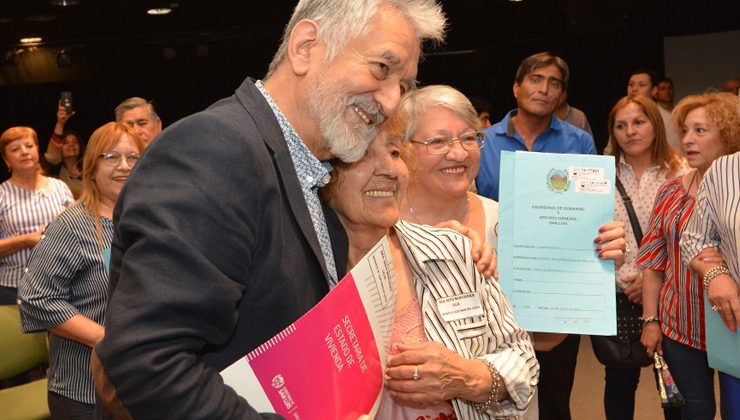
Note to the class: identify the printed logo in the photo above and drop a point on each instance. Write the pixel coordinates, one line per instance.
(278, 381)
(557, 180)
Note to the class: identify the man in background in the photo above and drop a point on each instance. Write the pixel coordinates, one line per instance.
(540, 82)
(664, 94)
(732, 85)
(139, 114)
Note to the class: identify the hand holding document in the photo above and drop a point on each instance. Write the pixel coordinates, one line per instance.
(328, 364)
(722, 343)
(551, 207)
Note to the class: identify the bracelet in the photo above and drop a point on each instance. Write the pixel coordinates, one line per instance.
(649, 319)
(491, 402)
(712, 273)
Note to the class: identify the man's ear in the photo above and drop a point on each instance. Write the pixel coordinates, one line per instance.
(515, 89)
(653, 92)
(303, 46)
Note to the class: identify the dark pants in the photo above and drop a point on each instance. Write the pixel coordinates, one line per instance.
(619, 394)
(8, 295)
(729, 389)
(557, 369)
(694, 379)
(62, 407)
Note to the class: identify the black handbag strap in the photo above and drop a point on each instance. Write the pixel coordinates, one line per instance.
(630, 212)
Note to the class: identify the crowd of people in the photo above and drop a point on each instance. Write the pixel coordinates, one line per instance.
(273, 194)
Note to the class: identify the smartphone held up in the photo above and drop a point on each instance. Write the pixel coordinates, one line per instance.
(66, 98)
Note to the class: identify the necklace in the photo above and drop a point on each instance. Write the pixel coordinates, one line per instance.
(466, 207)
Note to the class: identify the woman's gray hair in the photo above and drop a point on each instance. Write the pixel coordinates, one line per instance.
(343, 20)
(418, 102)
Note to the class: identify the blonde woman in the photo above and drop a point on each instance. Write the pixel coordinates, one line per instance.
(64, 290)
(28, 202)
(673, 298)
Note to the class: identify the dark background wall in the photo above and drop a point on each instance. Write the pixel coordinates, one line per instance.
(186, 73)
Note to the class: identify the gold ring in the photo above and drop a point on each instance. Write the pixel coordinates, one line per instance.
(416, 376)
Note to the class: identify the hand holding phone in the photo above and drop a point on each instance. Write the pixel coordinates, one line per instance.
(66, 99)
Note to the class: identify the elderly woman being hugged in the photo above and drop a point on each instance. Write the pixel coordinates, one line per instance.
(65, 287)
(478, 367)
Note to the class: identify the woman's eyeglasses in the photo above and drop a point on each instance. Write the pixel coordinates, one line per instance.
(114, 159)
(442, 145)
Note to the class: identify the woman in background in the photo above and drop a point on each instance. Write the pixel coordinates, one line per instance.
(644, 160)
(716, 223)
(673, 299)
(28, 202)
(64, 290)
(64, 153)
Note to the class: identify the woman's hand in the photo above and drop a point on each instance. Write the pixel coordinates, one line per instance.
(611, 244)
(31, 239)
(442, 375)
(652, 338)
(723, 294)
(711, 257)
(62, 115)
(634, 290)
(481, 252)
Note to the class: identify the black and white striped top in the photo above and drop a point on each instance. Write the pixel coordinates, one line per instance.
(24, 211)
(441, 262)
(716, 218)
(66, 276)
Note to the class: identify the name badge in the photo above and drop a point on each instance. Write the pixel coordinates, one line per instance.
(454, 308)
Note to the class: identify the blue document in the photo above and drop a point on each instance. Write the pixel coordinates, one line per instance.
(722, 344)
(551, 208)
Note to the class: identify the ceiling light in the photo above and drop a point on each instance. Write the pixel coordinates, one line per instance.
(63, 3)
(158, 11)
(31, 40)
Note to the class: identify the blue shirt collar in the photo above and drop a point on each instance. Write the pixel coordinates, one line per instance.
(508, 127)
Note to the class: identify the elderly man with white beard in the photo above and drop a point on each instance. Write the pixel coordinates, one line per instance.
(220, 238)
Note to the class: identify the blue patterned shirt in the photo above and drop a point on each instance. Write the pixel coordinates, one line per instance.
(312, 175)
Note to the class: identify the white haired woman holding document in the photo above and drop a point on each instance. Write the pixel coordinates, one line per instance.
(480, 366)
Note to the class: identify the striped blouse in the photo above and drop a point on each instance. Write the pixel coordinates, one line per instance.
(681, 295)
(67, 276)
(642, 193)
(24, 211)
(716, 219)
(442, 267)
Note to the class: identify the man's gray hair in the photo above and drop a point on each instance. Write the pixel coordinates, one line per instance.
(418, 102)
(343, 20)
(135, 102)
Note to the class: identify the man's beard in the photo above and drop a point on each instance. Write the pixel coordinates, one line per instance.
(347, 141)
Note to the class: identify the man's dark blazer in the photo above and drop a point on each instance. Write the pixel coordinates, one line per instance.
(214, 253)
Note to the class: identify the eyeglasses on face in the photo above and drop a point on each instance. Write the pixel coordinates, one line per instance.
(441, 145)
(114, 159)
